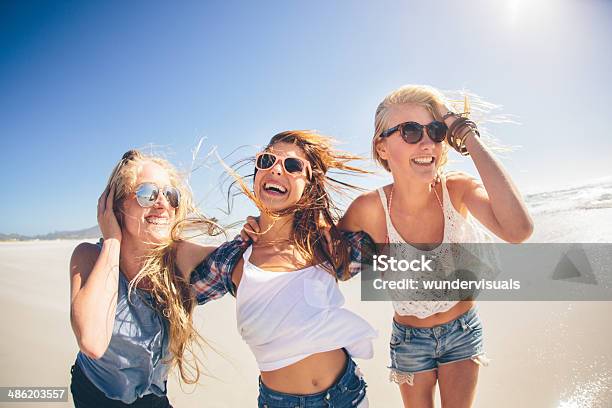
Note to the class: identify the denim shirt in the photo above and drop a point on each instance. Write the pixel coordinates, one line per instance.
(132, 365)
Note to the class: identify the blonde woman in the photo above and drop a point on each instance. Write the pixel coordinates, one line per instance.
(435, 342)
(130, 312)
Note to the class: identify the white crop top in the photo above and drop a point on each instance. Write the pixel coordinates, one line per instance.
(456, 230)
(285, 317)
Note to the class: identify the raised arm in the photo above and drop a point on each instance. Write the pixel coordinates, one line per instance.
(94, 277)
(495, 202)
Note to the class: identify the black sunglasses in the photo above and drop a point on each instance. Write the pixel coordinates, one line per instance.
(412, 132)
(147, 193)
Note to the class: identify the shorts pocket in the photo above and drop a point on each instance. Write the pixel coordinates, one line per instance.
(471, 323)
(396, 340)
(357, 383)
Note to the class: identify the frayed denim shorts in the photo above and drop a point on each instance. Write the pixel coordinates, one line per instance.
(348, 391)
(416, 350)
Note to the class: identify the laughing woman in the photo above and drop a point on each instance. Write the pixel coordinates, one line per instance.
(288, 304)
(435, 341)
(132, 326)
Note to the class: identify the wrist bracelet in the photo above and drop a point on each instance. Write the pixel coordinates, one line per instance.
(448, 115)
(458, 132)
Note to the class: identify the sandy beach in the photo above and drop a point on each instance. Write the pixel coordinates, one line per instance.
(544, 354)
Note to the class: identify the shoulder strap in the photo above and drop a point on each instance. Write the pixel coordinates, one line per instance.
(385, 204)
(383, 200)
(445, 196)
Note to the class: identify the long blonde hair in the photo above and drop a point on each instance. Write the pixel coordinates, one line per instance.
(171, 292)
(316, 207)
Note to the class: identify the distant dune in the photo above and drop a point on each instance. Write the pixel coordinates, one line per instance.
(92, 232)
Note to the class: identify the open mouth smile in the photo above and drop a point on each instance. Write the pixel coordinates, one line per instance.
(423, 160)
(274, 189)
(157, 220)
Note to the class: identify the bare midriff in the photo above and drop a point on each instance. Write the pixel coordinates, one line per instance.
(437, 318)
(314, 374)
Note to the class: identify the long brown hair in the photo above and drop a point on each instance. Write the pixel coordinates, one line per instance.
(316, 207)
(171, 292)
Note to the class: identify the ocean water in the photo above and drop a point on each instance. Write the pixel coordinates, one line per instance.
(574, 214)
(589, 196)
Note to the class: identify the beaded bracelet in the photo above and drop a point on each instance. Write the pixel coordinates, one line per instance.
(458, 132)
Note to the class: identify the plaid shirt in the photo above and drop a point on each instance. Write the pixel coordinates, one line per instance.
(212, 278)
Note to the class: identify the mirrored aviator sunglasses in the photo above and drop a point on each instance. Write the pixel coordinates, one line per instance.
(147, 193)
(413, 132)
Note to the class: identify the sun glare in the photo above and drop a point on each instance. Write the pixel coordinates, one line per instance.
(512, 9)
(542, 10)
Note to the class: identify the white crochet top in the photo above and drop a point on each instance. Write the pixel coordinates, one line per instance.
(456, 230)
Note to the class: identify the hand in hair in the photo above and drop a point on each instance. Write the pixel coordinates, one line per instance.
(109, 226)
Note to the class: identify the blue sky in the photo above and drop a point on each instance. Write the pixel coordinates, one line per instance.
(82, 82)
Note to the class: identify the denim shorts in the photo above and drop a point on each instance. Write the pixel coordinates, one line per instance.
(416, 350)
(348, 391)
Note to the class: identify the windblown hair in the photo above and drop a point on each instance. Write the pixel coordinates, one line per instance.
(172, 295)
(315, 209)
(462, 102)
(422, 95)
